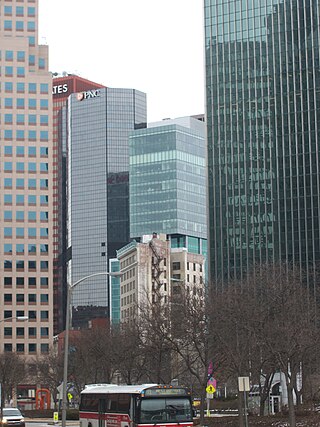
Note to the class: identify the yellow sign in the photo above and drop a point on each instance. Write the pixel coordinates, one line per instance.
(56, 416)
(210, 389)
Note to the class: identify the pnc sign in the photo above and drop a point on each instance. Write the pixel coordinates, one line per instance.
(88, 94)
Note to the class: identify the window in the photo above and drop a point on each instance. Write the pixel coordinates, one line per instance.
(20, 183)
(20, 297)
(44, 200)
(32, 167)
(32, 298)
(32, 200)
(7, 314)
(32, 332)
(32, 151)
(32, 265)
(44, 135)
(8, 102)
(44, 184)
(20, 135)
(20, 216)
(7, 248)
(20, 72)
(19, 25)
(44, 332)
(20, 87)
(32, 249)
(20, 119)
(20, 332)
(32, 315)
(44, 232)
(20, 248)
(44, 314)
(32, 103)
(31, 26)
(44, 281)
(21, 56)
(7, 231)
(44, 216)
(32, 41)
(32, 232)
(32, 60)
(32, 216)
(32, 119)
(44, 167)
(20, 103)
(20, 348)
(8, 10)
(44, 104)
(7, 348)
(7, 25)
(44, 151)
(19, 11)
(7, 281)
(31, 12)
(20, 199)
(20, 167)
(32, 281)
(19, 232)
(44, 88)
(20, 264)
(44, 248)
(7, 332)
(32, 184)
(32, 88)
(44, 298)
(8, 119)
(7, 215)
(7, 298)
(8, 134)
(8, 71)
(7, 166)
(32, 135)
(176, 265)
(8, 183)
(44, 348)
(32, 348)
(8, 87)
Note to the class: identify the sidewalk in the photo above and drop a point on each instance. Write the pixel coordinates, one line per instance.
(51, 422)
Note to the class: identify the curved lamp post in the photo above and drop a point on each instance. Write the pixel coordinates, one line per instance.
(66, 340)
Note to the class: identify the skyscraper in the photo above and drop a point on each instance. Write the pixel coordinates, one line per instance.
(99, 123)
(263, 117)
(167, 182)
(26, 185)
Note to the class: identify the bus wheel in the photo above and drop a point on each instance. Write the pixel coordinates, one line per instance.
(89, 425)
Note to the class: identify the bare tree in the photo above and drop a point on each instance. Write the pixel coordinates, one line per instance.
(12, 372)
(50, 373)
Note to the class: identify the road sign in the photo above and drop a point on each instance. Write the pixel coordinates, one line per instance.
(210, 389)
(243, 383)
(56, 416)
(209, 395)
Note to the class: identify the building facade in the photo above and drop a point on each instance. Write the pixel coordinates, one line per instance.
(26, 184)
(62, 88)
(99, 123)
(154, 273)
(168, 182)
(263, 99)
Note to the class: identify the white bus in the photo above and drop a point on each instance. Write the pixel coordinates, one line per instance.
(109, 405)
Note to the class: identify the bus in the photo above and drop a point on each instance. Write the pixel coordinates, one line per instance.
(110, 405)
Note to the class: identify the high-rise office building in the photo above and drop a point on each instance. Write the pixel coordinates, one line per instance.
(62, 88)
(263, 118)
(168, 182)
(99, 122)
(26, 185)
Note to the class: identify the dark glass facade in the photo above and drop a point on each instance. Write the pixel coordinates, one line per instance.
(263, 98)
(99, 123)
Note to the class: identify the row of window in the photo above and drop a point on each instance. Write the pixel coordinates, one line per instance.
(20, 348)
(20, 264)
(20, 150)
(20, 167)
(32, 314)
(20, 134)
(20, 199)
(20, 249)
(33, 88)
(20, 183)
(20, 332)
(21, 232)
(30, 11)
(32, 103)
(22, 215)
(19, 25)
(20, 119)
(21, 298)
(32, 282)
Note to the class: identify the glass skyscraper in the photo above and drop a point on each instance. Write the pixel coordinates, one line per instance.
(99, 122)
(167, 182)
(263, 99)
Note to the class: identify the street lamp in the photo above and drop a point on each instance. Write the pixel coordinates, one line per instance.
(22, 319)
(66, 340)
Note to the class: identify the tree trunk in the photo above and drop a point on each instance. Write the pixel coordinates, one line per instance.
(292, 416)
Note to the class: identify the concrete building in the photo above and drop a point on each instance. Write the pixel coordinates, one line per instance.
(152, 272)
(168, 182)
(26, 184)
(99, 122)
(263, 116)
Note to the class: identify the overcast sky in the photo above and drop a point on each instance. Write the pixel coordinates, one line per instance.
(151, 45)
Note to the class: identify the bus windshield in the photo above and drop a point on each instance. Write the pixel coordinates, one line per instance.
(169, 409)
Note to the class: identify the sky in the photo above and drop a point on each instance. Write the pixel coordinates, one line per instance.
(150, 45)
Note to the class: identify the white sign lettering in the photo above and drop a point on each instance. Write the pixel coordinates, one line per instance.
(59, 89)
(88, 94)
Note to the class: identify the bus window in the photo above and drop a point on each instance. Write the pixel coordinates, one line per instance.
(112, 403)
(124, 403)
(89, 403)
(160, 410)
